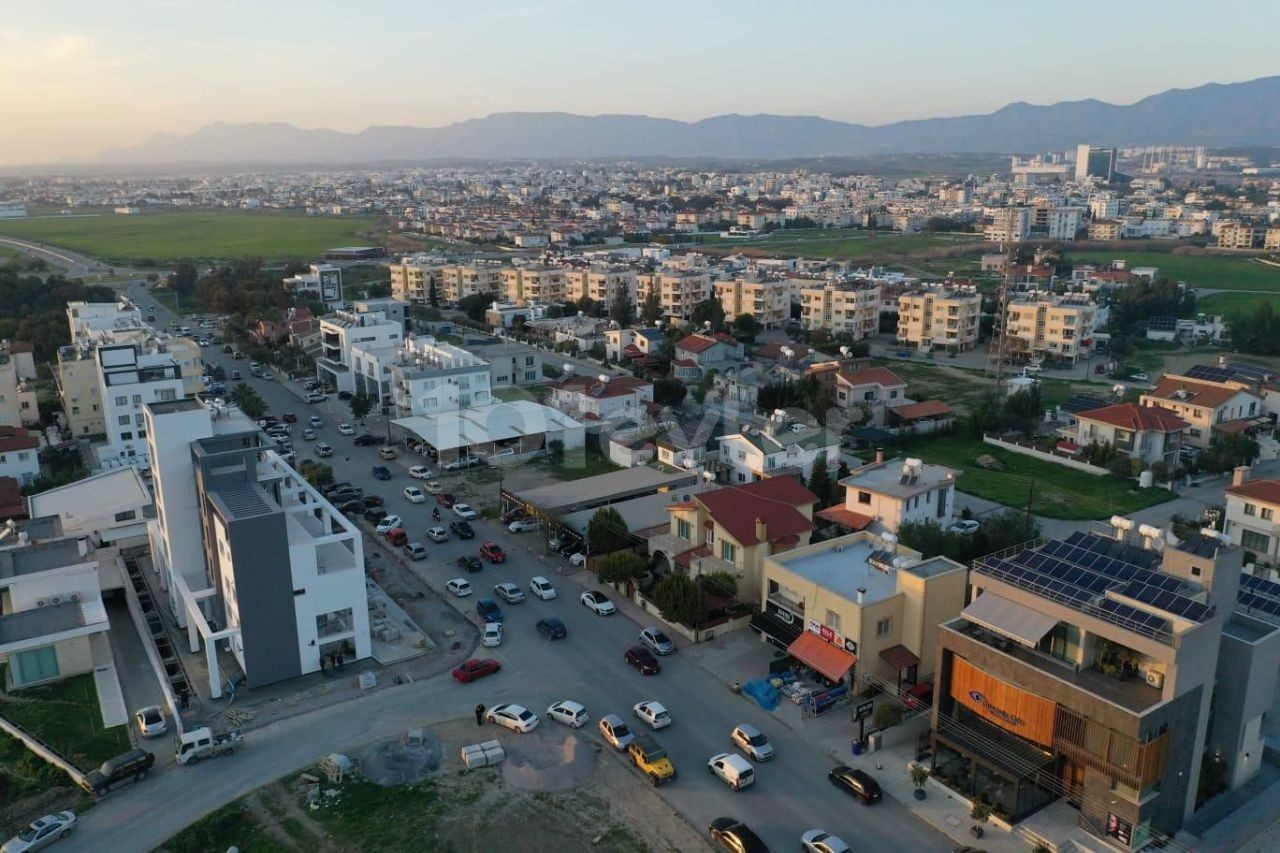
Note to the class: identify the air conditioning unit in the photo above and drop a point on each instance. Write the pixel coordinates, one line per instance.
(56, 599)
(75, 596)
(1155, 678)
(40, 602)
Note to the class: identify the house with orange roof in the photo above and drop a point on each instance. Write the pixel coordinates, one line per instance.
(873, 388)
(700, 352)
(602, 398)
(1209, 408)
(1252, 519)
(1147, 433)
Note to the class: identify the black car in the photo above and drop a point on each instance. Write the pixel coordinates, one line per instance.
(345, 395)
(375, 514)
(462, 530)
(470, 564)
(643, 660)
(366, 440)
(729, 833)
(372, 500)
(343, 495)
(855, 782)
(334, 487)
(552, 628)
(226, 348)
(352, 507)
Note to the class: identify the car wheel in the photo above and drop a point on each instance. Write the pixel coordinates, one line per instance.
(654, 780)
(64, 833)
(711, 770)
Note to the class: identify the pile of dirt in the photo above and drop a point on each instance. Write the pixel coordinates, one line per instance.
(393, 762)
(546, 762)
(989, 462)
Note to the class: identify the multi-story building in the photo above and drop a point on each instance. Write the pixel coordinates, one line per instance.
(1042, 326)
(19, 454)
(1056, 223)
(1095, 162)
(534, 283)
(1271, 241)
(369, 326)
(1008, 225)
(1104, 672)
(80, 392)
(1149, 434)
(860, 604)
(1253, 515)
(429, 377)
(773, 450)
(769, 301)
(18, 405)
(841, 309)
(129, 378)
(1104, 229)
(462, 280)
(511, 364)
(873, 388)
(323, 282)
(945, 319)
(250, 555)
(884, 495)
(413, 278)
(1239, 235)
(1207, 407)
(601, 284)
(603, 398)
(679, 291)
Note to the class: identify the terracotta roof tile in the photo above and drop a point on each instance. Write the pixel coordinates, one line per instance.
(923, 409)
(1131, 416)
(1267, 491)
(1192, 393)
(882, 376)
(12, 438)
(774, 501)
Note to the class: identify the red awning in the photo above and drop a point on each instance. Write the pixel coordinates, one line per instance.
(846, 517)
(816, 652)
(900, 657)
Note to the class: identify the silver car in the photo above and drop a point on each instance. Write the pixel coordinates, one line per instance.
(41, 833)
(656, 641)
(615, 732)
(752, 741)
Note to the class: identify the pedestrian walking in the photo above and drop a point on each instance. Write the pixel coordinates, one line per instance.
(480, 715)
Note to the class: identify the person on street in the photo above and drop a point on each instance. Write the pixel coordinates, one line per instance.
(480, 714)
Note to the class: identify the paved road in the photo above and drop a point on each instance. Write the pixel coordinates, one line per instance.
(75, 265)
(791, 796)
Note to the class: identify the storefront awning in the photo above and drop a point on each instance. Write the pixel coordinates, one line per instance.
(812, 650)
(900, 657)
(1009, 618)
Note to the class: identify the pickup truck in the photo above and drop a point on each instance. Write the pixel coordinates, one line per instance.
(203, 743)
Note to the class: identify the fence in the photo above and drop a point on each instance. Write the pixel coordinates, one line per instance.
(1026, 450)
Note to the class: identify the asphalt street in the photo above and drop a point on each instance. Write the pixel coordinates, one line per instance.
(791, 795)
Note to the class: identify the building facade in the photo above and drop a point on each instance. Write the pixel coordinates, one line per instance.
(939, 319)
(842, 310)
(1055, 327)
(768, 301)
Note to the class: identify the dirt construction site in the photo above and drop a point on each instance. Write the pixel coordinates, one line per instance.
(557, 789)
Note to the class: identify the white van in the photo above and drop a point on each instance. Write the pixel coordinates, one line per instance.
(735, 770)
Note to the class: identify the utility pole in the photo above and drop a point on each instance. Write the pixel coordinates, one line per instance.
(997, 349)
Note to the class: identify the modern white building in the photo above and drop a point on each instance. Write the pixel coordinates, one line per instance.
(323, 283)
(774, 450)
(369, 326)
(130, 378)
(883, 496)
(428, 377)
(109, 508)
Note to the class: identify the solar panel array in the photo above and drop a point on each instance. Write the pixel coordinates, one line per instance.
(1049, 587)
(1256, 602)
(1169, 602)
(1208, 374)
(1111, 567)
(1112, 548)
(1248, 371)
(1138, 620)
(1259, 594)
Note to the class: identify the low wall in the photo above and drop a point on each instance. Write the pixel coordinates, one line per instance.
(1047, 457)
(32, 743)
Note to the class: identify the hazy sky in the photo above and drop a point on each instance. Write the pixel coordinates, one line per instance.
(77, 76)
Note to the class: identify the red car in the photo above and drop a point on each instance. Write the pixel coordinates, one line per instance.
(512, 514)
(445, 499)
(398, 536)
(643, 660)
(470, 670)
(493, 552)
(289, 418)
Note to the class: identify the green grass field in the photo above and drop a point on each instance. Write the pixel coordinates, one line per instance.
(1220, 272)
(66, 716)
(203, 235)
(841, 243)
(1055, 491)
(1229, 304)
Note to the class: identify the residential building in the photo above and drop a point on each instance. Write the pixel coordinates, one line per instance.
(12, 503)
(872, 388)
(945, 319)
(250, 554)
(734, 528)
(478, 278)
(1104, 229)
(1008, 225)
(1239, 235)
(1271, 241)
(413, 278)
(1103, 672)
(1042, 326)
(679, 291)
(1252, 518)
(18, 405)
(19, 454)
(323, 283)
(534, 283)
(639, 346)
(512, 364)
(603, 398)
(109, 508)
(1149, 434)
(1209, 408)
(601, 284)
(884, 495)
(429, 377)
(700, 352)
(369, 326)
(1095, 162)
(860, 604)
(775, 450)
(80, 392)
(129, 378)
(841, 309)
(768, 301)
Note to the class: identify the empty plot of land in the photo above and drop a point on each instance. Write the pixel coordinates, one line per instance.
(1219, 272)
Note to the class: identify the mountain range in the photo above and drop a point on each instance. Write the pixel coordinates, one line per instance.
(1232, 114)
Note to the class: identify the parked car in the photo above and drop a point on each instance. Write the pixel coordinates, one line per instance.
(487, 609)
(521, 525)
(578, 559)
(964, 526)
(491, 635)
(355, 506)
(372, 500)
(643, 660)
(391, 522)
(315, 421)
(323, 449)
(462, 529)
(1140, 376)
(344, 495)
(334, 487)
(731, 834)
(445, 499)
(307, 435)
(346, 429)
(398, 536)
(615, 732)
(150, 721)
(387, 452)
(437, 534)
(420, 472)
(493, 552)
(656, 641)
(515, 717)
(856, 782)
(464, 511)
(597, 602)
(415, 551)
(651, 759)
(470, 670)
(374, 514)
(512, 514)
(463, 462)
(414, 495)
(433, 487)
(752, 741)
(552, 628)
(572, 714)
(541, 587)
(735, 770)
(289, 418)
(653, 713)
(821, 841)
(509, 592)
(345, 395)
(365, 440)
(381, 472)
(315, 397)
(470, 564)
(42, 832)
(461, 587)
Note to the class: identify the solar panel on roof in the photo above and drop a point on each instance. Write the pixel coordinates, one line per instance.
(1255, 602)
(1261, 586)
(1207, 373)
(1252, 371)
(1140, 619)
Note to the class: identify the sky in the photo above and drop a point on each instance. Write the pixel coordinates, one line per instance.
(79, 76)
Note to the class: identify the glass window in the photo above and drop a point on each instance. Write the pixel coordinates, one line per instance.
(683, 529)
(833, 620)
(1250, 509)
(728, 551)
(35, 665)
(1251, 540)
(864, 497)
(884, 626)
(1266, 513)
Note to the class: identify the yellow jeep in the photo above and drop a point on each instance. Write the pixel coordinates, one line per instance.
(652, 760)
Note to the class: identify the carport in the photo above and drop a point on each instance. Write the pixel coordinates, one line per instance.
(520, 427)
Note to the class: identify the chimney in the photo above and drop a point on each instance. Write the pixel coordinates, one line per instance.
(762, 530)
(862, 594)
(879, 455)
(1241, 475)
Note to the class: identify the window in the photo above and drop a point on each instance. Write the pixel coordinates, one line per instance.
(1251, 540)
(165, 395)
(122, 420)
(126, 436)
(728, 551)
(122, 401)
(1063, 642)
(864, 497)
(884, 626)
(1250, 509)
(1267, 513)
(833, 620)
(137, 399)
(35, 665)
(128, 515)
(683, 529)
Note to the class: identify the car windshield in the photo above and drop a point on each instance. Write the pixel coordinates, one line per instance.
(757, 740)
(28, 834)
(151, 715)
(659, 637)
(661, 715)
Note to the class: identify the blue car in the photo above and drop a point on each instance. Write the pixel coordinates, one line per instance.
(382, 472)
(488, 611)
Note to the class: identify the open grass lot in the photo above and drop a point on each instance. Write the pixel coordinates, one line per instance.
(1055, 491)
(1220, 272)
(841, 243)
(66, 716)
(202, 235)
(1230, 304)
(962, 387)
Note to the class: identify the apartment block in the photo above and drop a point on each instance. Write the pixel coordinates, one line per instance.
(1008, 225)
(130, 378)
(768, 301)
(841, 309)
(430, 377)
(1239, 235)
(1055, 327)
(18, 405)
(463, 280)
(523, 285)
(412, 280)
(1104, 229)
(945, 319)
(679, 292)
(601, 284)
(369, 326)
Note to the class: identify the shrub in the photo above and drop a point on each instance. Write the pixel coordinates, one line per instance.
(887, 715)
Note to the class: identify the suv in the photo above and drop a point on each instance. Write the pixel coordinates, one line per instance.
(651, 759)
(127, 767)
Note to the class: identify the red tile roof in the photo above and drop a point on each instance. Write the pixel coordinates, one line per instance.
(617, 386)
(1267, 491)
(685, 362)
(846, 517)
(773, 350)
(699, 342)
(1192, 393)
(685, 558)
(1131, 416)
(923, 409)
(881, 376)
(12, 438)
(20, 346)
(773, 501)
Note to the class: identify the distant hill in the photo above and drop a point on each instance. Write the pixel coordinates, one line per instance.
(1233, 114)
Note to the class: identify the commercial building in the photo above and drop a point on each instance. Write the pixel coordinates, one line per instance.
(249, 554)
(1104, 672)
(884, 495)
(945, 319)
(1095, 162)
(1042, 326)
(518, 428)
(841, 309)
(429, 377)
(768, 301)
(370, 325)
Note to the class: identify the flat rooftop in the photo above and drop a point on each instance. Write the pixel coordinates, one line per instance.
(478, 425)
(595, 491)
(41, 557)
(44, 621)
(639, 513)
(844, 571)
(892, 478)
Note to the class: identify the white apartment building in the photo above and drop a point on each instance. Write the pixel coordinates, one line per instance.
(1008, 225)
(109, 508)
(884, 495)
(535, 283)
(18, 405)
(249, 554)
(769, 301)
(938, 318)
(323, 283)
(773, 451)
(601, 284)
(129, 378)
(19, 454)
(1048, 326)
(679, 292)
(429, 377)
(841, 309)
(602, 398)
(368, 329)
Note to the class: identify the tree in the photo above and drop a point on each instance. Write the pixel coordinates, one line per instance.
(621, 567)
(669, 392)
(651, 308)
(317, 474)
(249, 400)
(720, 583)
(475, 305)
(433, 295)
(820, 480)
(607, 532)
(361, 404)
(555, 452)
(747, 326)
(620, 309)
(680, 600)
(711, 312)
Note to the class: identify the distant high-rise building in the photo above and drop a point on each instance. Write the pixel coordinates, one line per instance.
(1093, 162)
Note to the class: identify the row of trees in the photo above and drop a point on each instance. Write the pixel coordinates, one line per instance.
(998, 531)
(1255, 333)
(33, 306)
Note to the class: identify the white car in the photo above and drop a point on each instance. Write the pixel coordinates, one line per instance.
(735, 770)
(315, 421)
(657, 641)
(41, 833)
(572, 714)
(654, 713)
(437, 534)
(520, 525)
(323, 449)
(434, 487)
(308, 435)
(964, 527)
(541, 587)
(414, 495)
(150, 721)
(460, 587)
(598, 603)
(509, 592)
(515, 717)
(346, 429)
(615, 732)
(388, 524)
(492, 634)
(821, 841)
(420, 472)
(464, 512)
(578, 559)
(752, 741)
